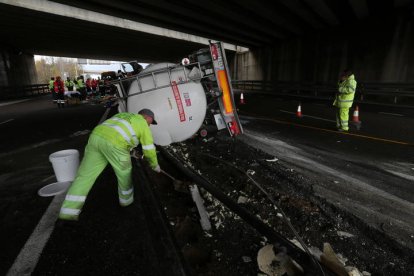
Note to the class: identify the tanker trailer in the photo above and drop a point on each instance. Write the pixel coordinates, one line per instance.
(185, 97)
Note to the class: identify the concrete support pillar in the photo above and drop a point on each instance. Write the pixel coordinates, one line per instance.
(16, 69)
(248, 65)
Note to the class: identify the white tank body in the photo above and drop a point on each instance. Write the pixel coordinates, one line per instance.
(179, 107)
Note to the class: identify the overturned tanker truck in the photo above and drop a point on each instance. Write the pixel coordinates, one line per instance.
(193, 96)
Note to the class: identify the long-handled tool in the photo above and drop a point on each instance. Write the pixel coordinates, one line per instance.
(179, 186)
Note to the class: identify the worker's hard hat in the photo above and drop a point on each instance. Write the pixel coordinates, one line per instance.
(149, 113)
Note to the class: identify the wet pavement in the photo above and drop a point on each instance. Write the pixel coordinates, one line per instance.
(353, 173)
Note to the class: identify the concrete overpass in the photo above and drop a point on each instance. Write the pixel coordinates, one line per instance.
(288, 39)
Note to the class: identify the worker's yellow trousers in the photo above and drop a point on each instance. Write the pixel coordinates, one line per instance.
(342, 118)
(98, 153)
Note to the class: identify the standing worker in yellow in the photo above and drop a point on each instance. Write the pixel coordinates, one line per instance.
(80, 87)
(111, 142)
(69, 84)
(52, 88)
(344, 99)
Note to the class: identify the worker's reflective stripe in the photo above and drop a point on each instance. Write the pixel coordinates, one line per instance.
(127, 192)
(70, 211)
(129, 127)
(148, 147)
(126, 201)
(75, 198)
(350, 87)
(345, 101)
(120, 131)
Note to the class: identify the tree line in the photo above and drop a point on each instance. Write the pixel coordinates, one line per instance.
(48, 67)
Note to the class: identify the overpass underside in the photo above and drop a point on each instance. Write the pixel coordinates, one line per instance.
(378, 49)
(288, 40)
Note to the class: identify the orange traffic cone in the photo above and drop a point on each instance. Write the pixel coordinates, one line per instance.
(299, 111)
(355, 117)
(241, 98)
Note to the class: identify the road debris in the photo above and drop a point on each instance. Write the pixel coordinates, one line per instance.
(272, 160)
(242, 200)
(275, 262)
(345, 234)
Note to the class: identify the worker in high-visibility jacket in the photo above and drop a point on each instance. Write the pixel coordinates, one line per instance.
(344, 99)
(52, 89)
(69, 84)
(111, 142)
(80, 87)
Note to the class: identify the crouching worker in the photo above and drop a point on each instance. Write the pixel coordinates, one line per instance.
(111, 142)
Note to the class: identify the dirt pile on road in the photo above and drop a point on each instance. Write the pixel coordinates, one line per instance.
(232, 245)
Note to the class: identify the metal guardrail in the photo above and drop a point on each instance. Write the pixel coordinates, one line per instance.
(390, 94)
(15, 92)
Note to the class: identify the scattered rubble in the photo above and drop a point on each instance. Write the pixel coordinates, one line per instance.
(232, 241)
(344, 234)
(275, 262)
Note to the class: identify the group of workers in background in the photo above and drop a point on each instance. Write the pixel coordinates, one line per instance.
(77, 88)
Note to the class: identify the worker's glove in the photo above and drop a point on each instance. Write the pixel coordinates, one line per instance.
(157, 169)
(135, 154)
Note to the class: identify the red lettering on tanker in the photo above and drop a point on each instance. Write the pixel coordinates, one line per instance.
(214, 51)
(178, 101)
(187, 99)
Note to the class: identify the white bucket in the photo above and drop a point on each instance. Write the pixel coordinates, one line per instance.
(65, 164)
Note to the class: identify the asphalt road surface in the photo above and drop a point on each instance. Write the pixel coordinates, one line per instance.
(30, 131)
(369, 172)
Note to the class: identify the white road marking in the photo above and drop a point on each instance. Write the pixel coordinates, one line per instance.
(28, 257)
(9, 120)
(44, 143)
(314, 117)
(31, 147)
(402, 175)
(393, 114)
(48, 178)
(13, 102)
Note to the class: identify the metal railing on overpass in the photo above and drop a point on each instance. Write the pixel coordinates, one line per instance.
(16, 92)
(388, 94)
